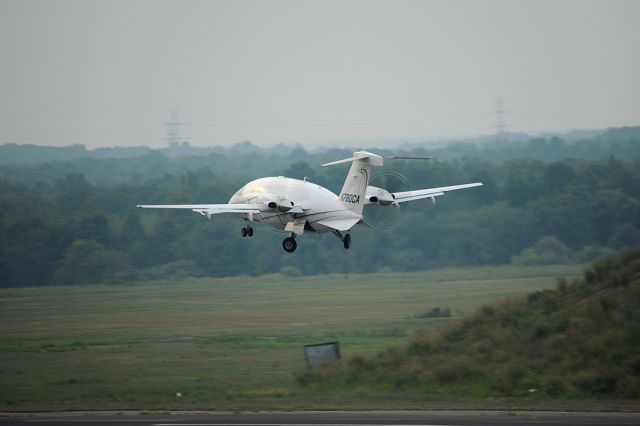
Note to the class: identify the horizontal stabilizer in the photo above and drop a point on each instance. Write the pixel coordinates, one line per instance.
(373, 159)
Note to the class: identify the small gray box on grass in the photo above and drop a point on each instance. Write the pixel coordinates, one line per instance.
(321, 353)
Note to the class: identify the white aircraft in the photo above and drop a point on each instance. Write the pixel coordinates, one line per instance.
(299, 206)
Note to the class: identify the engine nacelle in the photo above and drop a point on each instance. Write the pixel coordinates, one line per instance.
(378, 196)
(283, 205)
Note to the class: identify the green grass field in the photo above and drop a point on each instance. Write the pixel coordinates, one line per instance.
(228, 343)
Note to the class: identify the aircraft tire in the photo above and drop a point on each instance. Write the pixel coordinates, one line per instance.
(243, 232)
(289, 244)
(347, 241)
(250, 232)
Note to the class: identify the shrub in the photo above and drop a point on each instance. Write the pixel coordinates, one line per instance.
(456, 369)
(435, 313)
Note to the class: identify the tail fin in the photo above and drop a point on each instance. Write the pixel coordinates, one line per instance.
(355, 185)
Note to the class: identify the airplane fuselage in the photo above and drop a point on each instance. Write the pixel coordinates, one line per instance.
(319, 203)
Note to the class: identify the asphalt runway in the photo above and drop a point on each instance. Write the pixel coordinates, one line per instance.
(341, 418)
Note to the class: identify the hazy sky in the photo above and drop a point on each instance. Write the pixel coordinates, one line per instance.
(108, 72)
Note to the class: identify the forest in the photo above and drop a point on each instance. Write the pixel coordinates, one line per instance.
(72, 220)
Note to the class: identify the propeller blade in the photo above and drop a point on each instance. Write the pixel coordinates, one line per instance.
(404, 157)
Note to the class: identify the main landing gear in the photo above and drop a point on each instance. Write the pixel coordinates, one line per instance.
(346, 239)
(247, 231)
(289, 244)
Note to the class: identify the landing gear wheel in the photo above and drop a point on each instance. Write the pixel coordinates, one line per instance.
(289, 244)
(347, 241)
(250, 231)
(243, 232)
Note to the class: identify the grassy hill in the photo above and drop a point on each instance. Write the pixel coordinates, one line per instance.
(581, 340)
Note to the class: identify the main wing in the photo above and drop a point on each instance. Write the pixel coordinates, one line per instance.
(401, 197)
(209, 209)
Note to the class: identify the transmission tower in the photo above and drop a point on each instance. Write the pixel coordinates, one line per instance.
(500, 123)
(173, 129)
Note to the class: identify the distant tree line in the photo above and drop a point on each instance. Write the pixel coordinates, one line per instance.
(67, 228)
(104, 166)
(619, 142)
